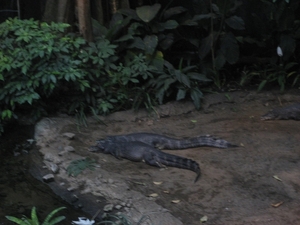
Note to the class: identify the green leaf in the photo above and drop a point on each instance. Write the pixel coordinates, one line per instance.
(147, 13)
(53, 78)
(34, 217)
(55, 220)
(170, 24)
(16, 220)
(150, 42)
(180, 94)
(196, 96)
(235, 22)
(261, 85)
(174, 11)
(230, 48)
(202, 16)
(198, 76)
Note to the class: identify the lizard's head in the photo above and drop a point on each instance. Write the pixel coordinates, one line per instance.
(99, 147)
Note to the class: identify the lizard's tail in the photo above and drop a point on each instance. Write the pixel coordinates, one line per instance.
(180, 162)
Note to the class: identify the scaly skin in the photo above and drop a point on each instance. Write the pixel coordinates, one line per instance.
(164, 142)
(286, 113)
(145, 147)
(138, 152)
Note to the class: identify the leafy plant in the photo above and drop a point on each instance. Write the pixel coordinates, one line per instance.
(77, 166)
(37, 60)
(34, 219)
(183, 80)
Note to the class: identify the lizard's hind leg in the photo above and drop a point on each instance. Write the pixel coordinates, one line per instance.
(153, 160)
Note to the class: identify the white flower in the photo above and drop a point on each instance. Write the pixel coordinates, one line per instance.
(279, 51)
(83, 221)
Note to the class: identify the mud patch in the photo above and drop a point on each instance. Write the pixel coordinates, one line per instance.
(238, 185)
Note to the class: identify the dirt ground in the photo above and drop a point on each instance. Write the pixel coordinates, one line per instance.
(255, 183)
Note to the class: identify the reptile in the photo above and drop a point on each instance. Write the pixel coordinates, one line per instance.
(164, 142)
(145, 147)
(285, 113)
(138, 151)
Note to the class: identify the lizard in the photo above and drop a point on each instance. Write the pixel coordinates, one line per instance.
(138, 151)
(285, 113)
(164, 142)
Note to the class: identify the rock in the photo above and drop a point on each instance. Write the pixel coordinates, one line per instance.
(110, 181)
(108, 208)
(71, 189)
(68, 135)
(69, 149)
(51, 158)
(118, 207)
(48, 178)
(52, 167)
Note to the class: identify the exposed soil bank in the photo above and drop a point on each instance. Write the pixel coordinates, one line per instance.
(256, 183)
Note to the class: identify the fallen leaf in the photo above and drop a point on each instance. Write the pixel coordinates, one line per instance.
(203, 219)
(194, 121)
(166, 191)
(175, 201)
(242, 145)
(277, 178)
(153, 195)
(157, 182)
(275, 205)
(139, 183)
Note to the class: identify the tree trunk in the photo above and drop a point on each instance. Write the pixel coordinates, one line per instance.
(59, 11)
(84, 19)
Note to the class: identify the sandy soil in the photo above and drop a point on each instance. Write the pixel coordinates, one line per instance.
(255, 183)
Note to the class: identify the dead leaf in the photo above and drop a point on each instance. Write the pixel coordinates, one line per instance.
(166, 191)
(139, 183)
(175, 201)
(275, 205)
(203, 219)
(157, 182)
(241, 144)
(153, 195)
(277, 178)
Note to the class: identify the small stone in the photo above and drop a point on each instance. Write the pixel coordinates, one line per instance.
(110, 181)
(123, 203)
(70, 189)
(52, 167)
(48, 178)
(118, 207)
(108, 208)
(69, 149)
(68, 135)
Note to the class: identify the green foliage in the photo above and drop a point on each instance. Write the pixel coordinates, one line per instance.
(77, 166)
(271, 74)
(34, 219)
(183, 80)
(36, 59)
(139, 59)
